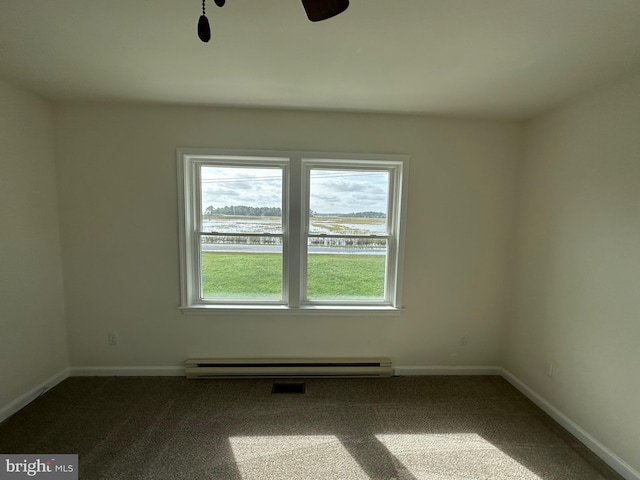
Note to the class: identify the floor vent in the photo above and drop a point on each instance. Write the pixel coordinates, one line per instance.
(288, 388)
(287, 367)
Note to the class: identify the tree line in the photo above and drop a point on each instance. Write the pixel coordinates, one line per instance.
(243, 210)
(364, 215)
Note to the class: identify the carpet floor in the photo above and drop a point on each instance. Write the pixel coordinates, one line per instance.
(402, 428)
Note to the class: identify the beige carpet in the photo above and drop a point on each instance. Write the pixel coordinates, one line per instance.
(405, 428)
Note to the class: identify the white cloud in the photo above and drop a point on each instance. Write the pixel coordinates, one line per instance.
(332, 191)
(253, 187)
(346, 191)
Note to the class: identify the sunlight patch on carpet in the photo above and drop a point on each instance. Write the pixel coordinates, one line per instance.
(453, 456)
(294, 457)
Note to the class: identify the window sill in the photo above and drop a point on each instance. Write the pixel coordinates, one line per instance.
(342, 310)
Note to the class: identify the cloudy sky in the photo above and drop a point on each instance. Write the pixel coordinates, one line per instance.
(332, 191)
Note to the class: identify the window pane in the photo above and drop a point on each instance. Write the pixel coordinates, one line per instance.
(241, 199)
(346, 269)
(349, 202)
(240, 267)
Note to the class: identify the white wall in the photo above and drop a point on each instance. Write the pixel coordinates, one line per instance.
(117, 184)
(33, 343)
(577, 302)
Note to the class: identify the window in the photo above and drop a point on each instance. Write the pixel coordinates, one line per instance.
(291, 231)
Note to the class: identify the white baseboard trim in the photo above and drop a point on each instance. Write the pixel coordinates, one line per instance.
(25, 399)
(615, 462)
(594, 445)
(127, 371)
(461, 370)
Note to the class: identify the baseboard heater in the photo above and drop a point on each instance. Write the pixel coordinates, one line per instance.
(287, 367)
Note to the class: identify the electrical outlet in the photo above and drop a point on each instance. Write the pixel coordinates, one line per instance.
(112, 339)
(463, 341)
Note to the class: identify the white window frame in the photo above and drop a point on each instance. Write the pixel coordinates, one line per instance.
(296, 167)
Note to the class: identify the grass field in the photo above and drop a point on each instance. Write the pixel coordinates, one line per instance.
(259, 275)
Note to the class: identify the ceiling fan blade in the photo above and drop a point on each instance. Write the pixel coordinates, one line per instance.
(318, 10)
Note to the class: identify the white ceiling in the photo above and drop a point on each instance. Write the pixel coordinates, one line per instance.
(487, 58)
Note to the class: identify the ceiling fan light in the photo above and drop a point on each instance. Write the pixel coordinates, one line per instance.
(318, 10)
(204, 30)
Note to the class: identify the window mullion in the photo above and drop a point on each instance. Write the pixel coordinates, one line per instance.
(391, 229)
(196, 222)
(347, 235)
(294, 248)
